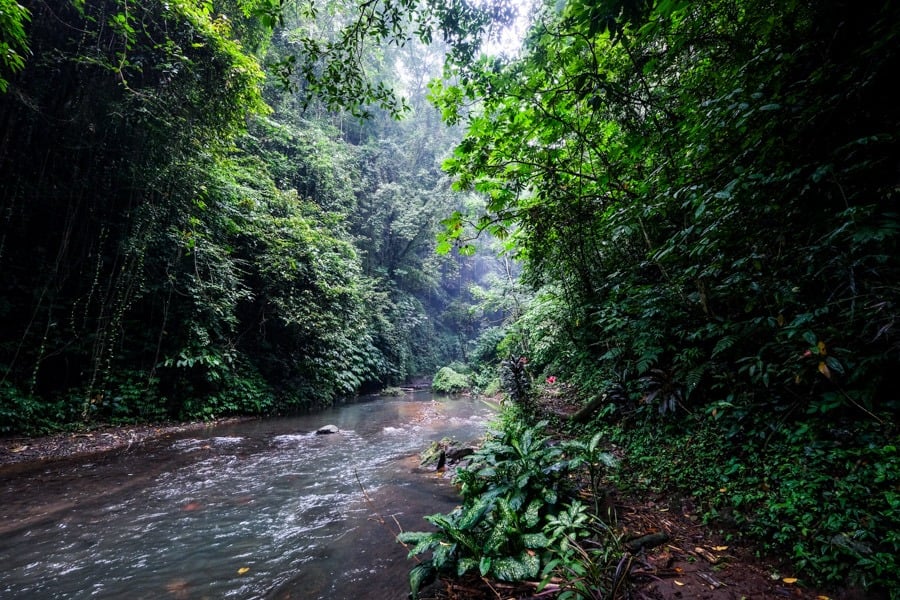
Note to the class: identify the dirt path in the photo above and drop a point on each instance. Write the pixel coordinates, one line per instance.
(692, 564)
(695, 562)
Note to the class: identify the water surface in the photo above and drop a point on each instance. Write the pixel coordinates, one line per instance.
(260, 509)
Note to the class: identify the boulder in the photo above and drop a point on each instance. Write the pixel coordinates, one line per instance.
(327, 429)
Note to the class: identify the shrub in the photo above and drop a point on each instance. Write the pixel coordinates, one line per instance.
(449, 381)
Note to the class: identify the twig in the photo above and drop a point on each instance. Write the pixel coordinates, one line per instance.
(371, 504)
(380, 519)
(859, 406)
(488, 583)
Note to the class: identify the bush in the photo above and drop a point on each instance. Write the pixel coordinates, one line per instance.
(460, 367)
(20, 412)
(449, 381)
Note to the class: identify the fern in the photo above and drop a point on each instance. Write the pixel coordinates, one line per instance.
(724, 344)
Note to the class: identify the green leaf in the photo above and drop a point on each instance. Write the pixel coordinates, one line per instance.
(473, 514)
(419, 575)
(443, 552)
(724, 344)
(535, 540)
(465, 565)
(526, 566)
(484, 565)
(533, 512)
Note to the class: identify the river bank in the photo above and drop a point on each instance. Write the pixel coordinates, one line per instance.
(686, 558)
(99, 439)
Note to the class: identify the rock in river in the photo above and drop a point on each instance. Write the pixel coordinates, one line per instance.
(327, 429)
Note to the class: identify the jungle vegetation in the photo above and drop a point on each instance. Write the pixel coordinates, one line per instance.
(687, 211)
(703, 196)
(186, 236)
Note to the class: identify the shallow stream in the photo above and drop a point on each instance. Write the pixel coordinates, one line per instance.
(259, 509)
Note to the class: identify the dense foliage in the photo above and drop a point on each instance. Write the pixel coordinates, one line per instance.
(704, 195)
(701, 197)
(179, 240)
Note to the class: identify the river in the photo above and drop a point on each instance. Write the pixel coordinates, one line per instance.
(259, 509)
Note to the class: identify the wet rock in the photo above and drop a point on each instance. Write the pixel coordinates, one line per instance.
(457, 454)
(327, 429)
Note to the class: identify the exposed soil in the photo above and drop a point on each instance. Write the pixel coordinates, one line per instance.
(693, 563)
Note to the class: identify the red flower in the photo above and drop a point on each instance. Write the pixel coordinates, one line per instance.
(551, 380)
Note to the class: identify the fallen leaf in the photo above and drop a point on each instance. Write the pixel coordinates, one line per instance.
(723, 490)
(720, 548)
(243, 570)
(789, 579)
(676, 582)
(18, 449)
(822, 598)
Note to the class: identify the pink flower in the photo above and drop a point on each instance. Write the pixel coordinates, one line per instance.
(551, 380)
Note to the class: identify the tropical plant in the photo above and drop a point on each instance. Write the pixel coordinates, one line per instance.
(512, 483)
(587, 558)
(590, 455)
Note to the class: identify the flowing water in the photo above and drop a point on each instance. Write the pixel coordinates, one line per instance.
(260, 509)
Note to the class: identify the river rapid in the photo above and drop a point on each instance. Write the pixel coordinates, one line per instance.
(259, 509)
